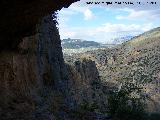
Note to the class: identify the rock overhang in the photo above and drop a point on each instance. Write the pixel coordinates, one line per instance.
(20, 17)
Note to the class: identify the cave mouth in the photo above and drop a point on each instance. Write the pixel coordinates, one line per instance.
(119, 29)
(20, 21)
(84, 27)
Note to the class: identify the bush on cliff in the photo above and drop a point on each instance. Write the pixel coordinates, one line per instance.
(127, 103)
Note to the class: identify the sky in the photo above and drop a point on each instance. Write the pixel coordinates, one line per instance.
(102, 22)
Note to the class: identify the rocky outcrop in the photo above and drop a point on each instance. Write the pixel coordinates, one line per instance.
(30, 75)
(35, 83)
(50, 52)
(85, 84)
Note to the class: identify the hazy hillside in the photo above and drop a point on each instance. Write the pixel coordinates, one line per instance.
(72, 46)
(120, 40)
(78, 43)
(137, 60)
(145, 38)
(145, 46)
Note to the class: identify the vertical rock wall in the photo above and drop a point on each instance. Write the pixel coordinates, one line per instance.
(31, 73)
(85, 84)
(50, 52)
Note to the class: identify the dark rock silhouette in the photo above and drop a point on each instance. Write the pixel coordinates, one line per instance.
(20, 17)
(34, 81)
(33, 71)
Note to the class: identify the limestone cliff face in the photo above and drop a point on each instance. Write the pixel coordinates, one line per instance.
(30, 73)
(50, 51)
(85, 84)
(35, 83)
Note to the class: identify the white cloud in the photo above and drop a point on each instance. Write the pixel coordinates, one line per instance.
(76, 9)
(69, 34)
(145, 10)
(88, 14)
(109, 27)
(142, 14)
(134, 15)
(104, 33)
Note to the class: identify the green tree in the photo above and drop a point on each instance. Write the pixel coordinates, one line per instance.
(126, 103)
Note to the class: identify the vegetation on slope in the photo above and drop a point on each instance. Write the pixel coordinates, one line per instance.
(136, 60)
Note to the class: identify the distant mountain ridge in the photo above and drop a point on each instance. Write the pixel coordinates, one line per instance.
(120, 40)
(78, 43)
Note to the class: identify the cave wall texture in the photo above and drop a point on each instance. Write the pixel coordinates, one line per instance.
(31, 60)
(20, 17)
(30, 74)
(35, 83)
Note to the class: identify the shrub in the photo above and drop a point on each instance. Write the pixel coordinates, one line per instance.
(126, 103)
